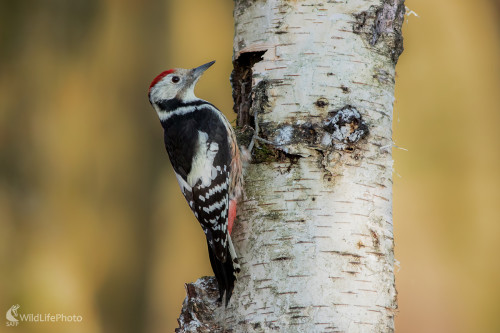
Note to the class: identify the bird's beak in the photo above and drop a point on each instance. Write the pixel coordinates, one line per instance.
(196, 72)
(193, 77)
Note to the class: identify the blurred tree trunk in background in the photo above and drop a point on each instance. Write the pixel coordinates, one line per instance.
(314, 233)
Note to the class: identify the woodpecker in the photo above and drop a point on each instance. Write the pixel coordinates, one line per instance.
(206, 159)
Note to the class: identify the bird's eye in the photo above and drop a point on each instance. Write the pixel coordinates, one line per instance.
(175, 79)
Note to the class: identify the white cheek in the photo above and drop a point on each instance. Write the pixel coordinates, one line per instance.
(162, 91)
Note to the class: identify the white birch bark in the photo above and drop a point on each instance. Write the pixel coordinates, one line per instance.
(315, 233)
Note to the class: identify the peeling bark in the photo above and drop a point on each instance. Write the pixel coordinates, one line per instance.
(314, 234)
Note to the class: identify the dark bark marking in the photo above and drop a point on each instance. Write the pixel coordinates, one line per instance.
(375, 239)
(199, 307)
(322, 102)
(381, 27)
(241, 80)
(345, 89)
(346, 127)
(341, 129)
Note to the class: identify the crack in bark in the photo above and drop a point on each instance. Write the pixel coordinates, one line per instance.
(241, 80)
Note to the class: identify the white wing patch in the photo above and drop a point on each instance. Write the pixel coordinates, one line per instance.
(202, 167)
(182, 184)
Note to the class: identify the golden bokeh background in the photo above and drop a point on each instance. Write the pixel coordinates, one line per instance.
(92, 222)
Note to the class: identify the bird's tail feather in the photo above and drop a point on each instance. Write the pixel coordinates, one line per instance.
(225, 272)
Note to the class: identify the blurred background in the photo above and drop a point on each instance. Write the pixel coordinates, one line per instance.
(92, 222)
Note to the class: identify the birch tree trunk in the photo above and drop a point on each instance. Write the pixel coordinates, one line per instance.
(315, 232)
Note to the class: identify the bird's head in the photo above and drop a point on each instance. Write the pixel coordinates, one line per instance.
(177, 83)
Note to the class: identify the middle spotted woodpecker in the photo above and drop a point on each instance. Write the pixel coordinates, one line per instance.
(202, 148)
